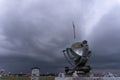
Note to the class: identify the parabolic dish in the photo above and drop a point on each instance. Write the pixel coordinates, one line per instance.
(77, 48)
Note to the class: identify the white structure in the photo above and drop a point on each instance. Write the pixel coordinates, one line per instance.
(61, 75)
(35, 74)
(3, 73)
(75, 75)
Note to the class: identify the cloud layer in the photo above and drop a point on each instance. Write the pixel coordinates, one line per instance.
(34, 33)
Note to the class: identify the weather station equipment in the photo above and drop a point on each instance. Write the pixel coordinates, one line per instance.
(78, 55)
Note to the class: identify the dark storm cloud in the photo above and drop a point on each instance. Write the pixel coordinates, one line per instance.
(34, 33)
(25, 32)
(24, 63)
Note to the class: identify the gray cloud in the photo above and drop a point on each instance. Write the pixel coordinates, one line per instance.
(34, 33)
(106, 42)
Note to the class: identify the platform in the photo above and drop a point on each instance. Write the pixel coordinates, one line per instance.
(87, 78)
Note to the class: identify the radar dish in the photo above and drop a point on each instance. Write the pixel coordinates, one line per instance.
(79, 54)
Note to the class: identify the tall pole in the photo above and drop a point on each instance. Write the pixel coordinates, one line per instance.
(74, 33)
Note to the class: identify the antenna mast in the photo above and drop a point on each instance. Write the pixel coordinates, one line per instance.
(74, 32)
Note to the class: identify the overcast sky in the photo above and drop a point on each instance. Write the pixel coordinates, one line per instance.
(34, 33)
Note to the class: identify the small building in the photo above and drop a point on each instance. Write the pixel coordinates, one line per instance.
(35, 74)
